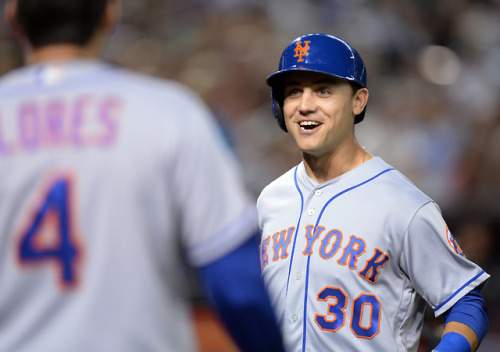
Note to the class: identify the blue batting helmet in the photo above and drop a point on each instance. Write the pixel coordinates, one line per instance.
(321, 53)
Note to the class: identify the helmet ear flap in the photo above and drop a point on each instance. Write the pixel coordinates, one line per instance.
(278, 111)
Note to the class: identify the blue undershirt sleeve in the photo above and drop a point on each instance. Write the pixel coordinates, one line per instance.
(453, 342)
(234, 287)
(470, 310)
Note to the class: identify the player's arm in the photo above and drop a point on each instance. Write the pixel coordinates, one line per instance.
(466, 323)
(234, 287)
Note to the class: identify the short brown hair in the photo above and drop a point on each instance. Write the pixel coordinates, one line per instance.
(59, 21)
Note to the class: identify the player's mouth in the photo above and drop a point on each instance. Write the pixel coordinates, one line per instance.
(309, 125)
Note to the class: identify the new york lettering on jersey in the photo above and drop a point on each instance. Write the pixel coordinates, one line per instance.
(332, 246)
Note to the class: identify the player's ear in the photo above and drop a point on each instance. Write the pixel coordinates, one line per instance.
(9, 15)
(359, 101)
(112, 14)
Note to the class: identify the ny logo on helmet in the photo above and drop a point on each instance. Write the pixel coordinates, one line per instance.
(302, 50)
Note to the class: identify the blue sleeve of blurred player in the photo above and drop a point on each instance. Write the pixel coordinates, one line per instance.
(234, 287)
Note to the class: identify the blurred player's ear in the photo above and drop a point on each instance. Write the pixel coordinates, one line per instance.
(112, 14)
(9, 14)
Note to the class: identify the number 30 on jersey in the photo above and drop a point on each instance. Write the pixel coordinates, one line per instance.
(336, 316)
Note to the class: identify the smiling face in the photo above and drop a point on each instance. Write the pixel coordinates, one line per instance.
(319, 111)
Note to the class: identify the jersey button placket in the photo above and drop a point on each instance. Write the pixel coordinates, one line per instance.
(317, 193)
(296, 286)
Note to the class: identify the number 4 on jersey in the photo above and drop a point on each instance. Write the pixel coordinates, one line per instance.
(49, 235)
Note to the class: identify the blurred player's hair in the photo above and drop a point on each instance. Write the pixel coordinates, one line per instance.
(48, 22)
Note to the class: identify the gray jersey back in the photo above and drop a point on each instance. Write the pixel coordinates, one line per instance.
(104, 176)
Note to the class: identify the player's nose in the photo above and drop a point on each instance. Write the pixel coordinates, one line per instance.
(307, 102)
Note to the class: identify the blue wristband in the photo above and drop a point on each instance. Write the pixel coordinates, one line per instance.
(453, 342)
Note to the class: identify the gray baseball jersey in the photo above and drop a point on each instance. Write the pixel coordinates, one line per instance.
(104, 176)
(350, 263)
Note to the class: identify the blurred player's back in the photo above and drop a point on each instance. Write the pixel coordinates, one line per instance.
(111, 185)
(88, 156)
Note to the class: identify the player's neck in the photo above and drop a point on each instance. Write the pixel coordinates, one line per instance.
(57, 52)
(326, 167)
(66, 51)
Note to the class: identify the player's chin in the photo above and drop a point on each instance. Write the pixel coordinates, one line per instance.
(308, 145)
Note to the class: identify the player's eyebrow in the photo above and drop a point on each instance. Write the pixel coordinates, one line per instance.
(289, 83)
(324, 81)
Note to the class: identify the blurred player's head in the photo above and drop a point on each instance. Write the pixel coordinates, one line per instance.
(48, 22)
(320, 53)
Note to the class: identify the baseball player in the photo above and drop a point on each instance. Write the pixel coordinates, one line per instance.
(105, 175)
(351, 251)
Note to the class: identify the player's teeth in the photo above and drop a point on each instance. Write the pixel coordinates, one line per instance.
(309, 123)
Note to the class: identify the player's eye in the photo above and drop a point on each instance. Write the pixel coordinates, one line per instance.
(291, 91)
(324, 91)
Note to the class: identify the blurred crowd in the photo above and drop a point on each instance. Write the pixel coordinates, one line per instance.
(433, 76)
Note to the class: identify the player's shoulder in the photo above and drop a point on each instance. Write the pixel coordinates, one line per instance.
(10, 77)
(279, 186)
(153, 85)
(93, 74)
(395, 185)
(160, 97)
